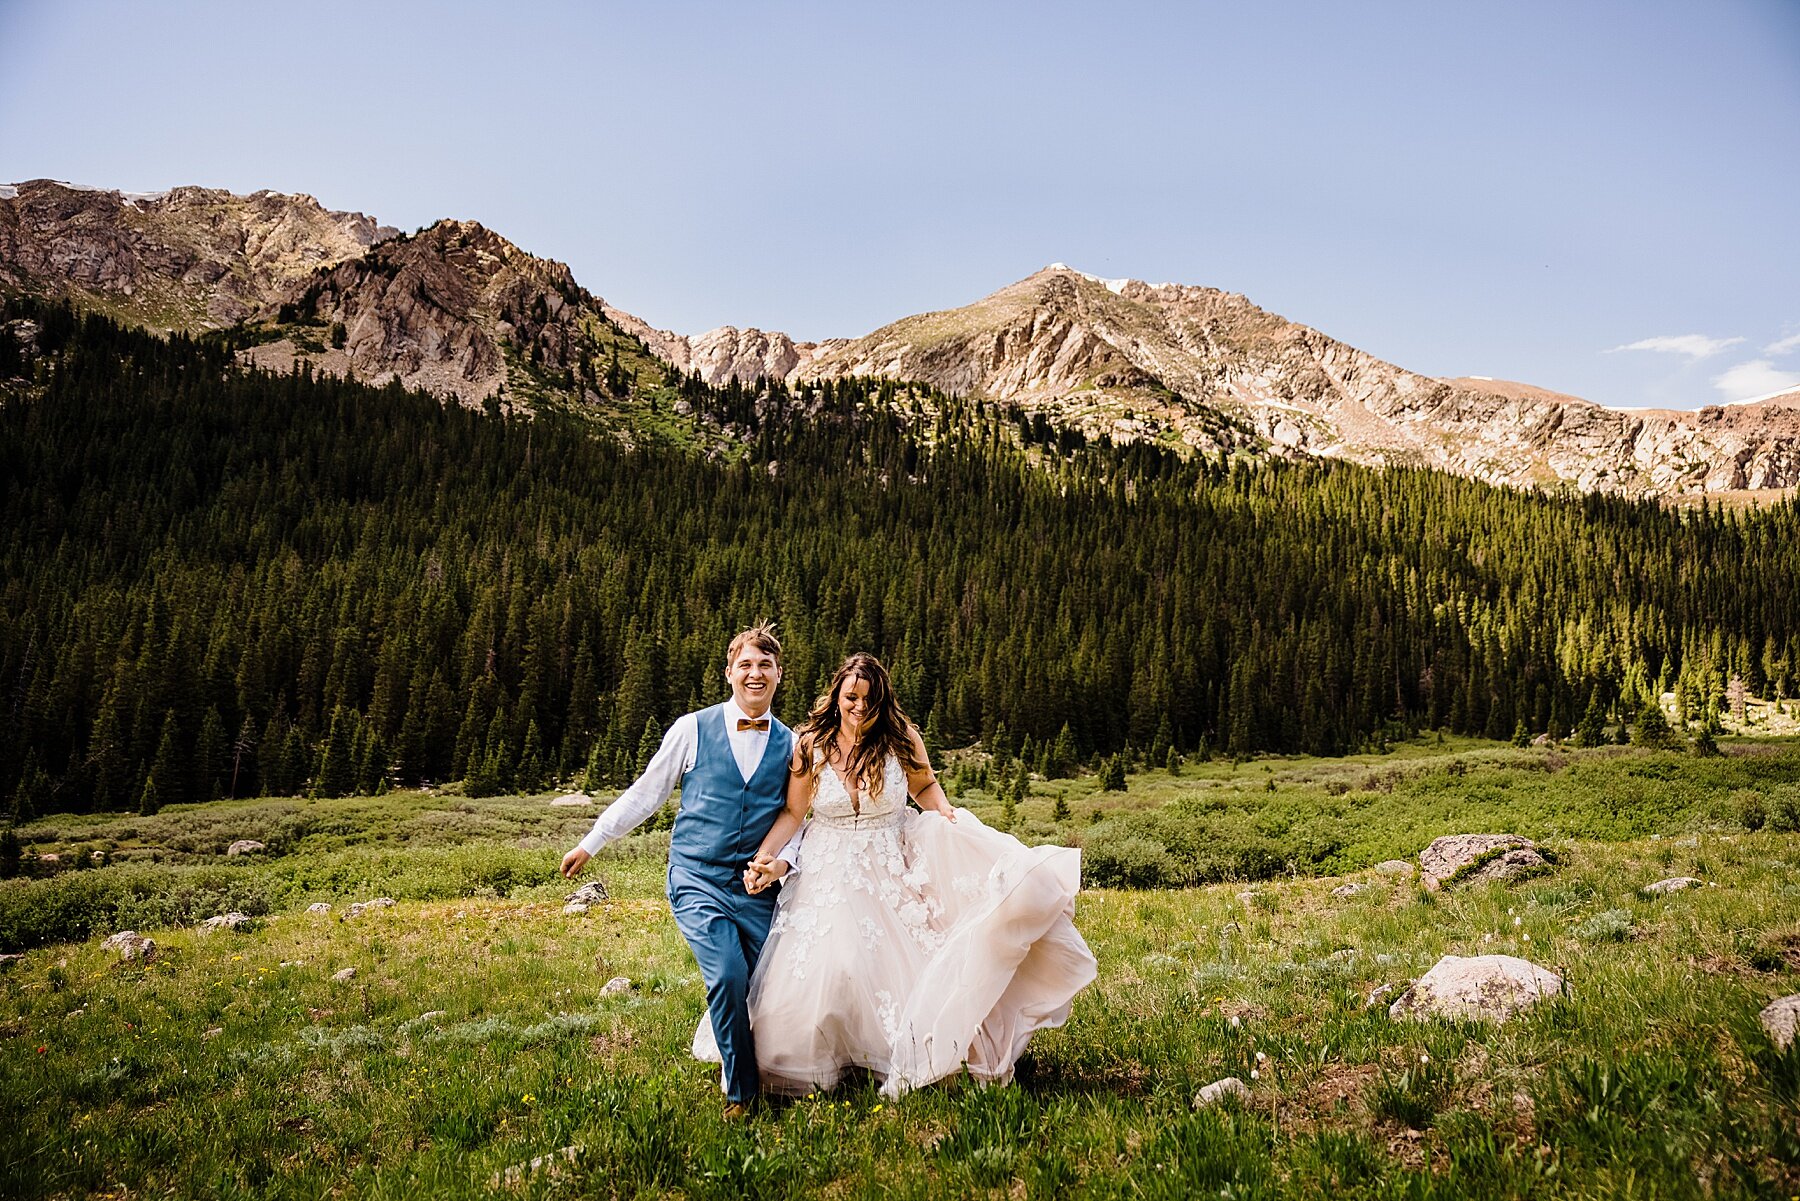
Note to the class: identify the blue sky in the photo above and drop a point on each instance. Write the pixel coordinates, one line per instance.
(1594, 197)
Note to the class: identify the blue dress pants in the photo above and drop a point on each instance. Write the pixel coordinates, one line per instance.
(726, 928)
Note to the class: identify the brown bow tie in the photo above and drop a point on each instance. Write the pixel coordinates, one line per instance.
(761, 723)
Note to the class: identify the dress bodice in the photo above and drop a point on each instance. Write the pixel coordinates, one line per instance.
(834, 805)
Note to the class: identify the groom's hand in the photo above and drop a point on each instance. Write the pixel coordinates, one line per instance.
(574, 861)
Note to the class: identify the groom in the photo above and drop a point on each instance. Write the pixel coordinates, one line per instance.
(732, 763)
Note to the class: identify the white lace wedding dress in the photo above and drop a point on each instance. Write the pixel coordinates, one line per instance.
(912, 946)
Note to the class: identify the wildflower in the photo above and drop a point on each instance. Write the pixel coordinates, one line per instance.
(1424, 1058)
(1235, 1023)
(41, 1050)
(1254, 1074)
(1527, 937)
(1261, 1058)
(1517, 922)
(235, 958)
(528, 1099)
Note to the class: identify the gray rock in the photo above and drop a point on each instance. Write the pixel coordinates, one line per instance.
(362, 907)
(1781, 1018)
(1478, 858)
(575, 907)
(244, 846)
(229, 921)
(345, 976)
(1486, 987)
(615, 986)
(573, 800)
(1351, 889)
(130, 945)
(213, 1032)
(1219, 1090)
(1672, 884)
(318, 907)
(1377, 995)
(552, 1166)
(589, 893)
(1394, 867)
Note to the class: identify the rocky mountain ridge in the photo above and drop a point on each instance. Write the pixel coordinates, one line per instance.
(461, 311)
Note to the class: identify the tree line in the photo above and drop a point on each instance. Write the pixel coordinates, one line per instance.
(220, 581)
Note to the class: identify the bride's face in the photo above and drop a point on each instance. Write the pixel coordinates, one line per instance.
(853, 704)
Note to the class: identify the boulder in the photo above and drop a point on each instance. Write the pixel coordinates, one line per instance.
(573, 800)
(318, 907)
(1672, 884)
(362, 907)
(1219, 1090)
(244, 846)
(130, 945)
(615, 986)
(1478, 858)
(229, 921)
(345, 976)
(1486, 987)
(589, 893)
(1351, 889)
(1781, 1017)
(1394, 867)
(574, 908)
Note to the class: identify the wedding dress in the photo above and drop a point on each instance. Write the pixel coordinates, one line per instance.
(911, 946)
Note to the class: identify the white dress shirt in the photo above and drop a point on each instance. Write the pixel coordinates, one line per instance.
(673, 760)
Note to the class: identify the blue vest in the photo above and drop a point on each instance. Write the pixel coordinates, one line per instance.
(723, 817)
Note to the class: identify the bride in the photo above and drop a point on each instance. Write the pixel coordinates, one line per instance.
(914, 943)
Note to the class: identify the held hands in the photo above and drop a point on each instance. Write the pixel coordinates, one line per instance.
(574, 861)
(763, 871)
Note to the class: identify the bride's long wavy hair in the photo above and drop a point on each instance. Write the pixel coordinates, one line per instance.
(885, 732)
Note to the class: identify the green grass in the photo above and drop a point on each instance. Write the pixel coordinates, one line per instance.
(474, 1036)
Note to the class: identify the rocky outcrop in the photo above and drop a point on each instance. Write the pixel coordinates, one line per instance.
(186, 259)
(723, 354)
(439, 310)
(1479, 859)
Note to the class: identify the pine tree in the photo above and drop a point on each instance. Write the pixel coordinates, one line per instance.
(209, 757)
(10, 854)
(337, 766)
(1059, 810)
(648, 742)
(530, 776)
(1063, 755)
(149, 800)
(1001, 747)
(166, 770)
(1173, 762)
(593, 777)
(1592, 730)
(1521, 734)
(1652, 730)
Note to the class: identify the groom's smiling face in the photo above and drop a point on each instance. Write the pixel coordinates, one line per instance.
(753, 674)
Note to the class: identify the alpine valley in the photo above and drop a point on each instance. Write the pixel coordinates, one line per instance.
(293, 503)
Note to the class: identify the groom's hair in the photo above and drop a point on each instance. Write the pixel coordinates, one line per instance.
(761, 636)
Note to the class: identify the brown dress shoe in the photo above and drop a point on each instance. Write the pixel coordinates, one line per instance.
(736, 1111)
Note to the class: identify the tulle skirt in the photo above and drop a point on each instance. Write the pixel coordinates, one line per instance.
(913, 947)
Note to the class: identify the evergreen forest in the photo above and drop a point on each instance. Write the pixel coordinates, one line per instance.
(222, 582)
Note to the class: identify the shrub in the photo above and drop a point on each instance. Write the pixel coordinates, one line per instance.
(1128, 861)
(1784, 808)
(1612, 926)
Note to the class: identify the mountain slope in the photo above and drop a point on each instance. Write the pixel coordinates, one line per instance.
(460, 310)
(1132, 359)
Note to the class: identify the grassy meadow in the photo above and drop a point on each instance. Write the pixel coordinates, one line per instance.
(474, 1035)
